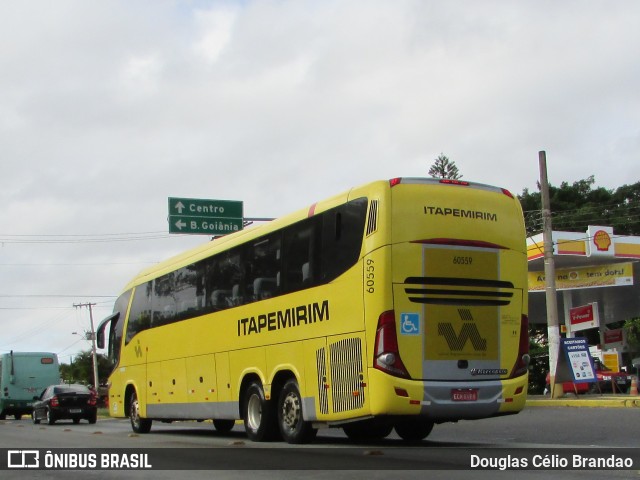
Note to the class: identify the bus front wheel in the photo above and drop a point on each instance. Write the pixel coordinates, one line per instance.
(224, 426)
(292, 426)
(259, 415)
(138, 424)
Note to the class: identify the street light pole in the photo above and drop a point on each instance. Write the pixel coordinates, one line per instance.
(93, 343)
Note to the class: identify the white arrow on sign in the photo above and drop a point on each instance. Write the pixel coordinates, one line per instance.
(180, 224)
(179, 207)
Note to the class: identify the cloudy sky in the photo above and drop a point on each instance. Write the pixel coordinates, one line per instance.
(107, 108)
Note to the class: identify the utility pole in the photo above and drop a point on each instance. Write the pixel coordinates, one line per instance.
(93, 342)
(553, 330)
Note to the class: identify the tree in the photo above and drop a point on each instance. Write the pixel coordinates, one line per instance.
(632, 329)
(539, 354)
(80, 370)
(444, 168)
(576, 206)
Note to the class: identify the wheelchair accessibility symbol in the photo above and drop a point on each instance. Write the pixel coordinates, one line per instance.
(410, 324)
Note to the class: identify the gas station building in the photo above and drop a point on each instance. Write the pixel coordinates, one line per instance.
(597, 282)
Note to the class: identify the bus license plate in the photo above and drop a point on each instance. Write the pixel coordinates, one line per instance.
(464, 395)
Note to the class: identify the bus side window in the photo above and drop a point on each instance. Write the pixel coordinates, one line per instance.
(188, 291)
(228, 278)
(163, 301)
(140, 316)
(263, 267)
(117, 327)
(342, 234)
(301, 251)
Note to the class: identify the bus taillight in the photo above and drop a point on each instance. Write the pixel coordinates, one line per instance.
(450, 181)
(387, 356)
(507, 192)
(522, 361)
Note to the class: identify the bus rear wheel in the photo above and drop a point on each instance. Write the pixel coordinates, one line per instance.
(259, 415)
(138, 424)
(367, 430)
(292, 426)
(413, 430)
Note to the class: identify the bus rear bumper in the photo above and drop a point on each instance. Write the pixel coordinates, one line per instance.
(16, 407)
(444, 401)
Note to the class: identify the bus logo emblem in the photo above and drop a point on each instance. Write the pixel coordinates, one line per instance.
(469, 331)
(410, 324)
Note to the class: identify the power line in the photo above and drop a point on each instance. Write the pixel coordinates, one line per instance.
(79, 234)
(56, 296)
(101, 264)
(85, 238)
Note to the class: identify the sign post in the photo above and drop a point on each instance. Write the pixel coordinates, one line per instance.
(205, 217)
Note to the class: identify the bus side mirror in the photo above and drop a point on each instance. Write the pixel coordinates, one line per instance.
(100, 340)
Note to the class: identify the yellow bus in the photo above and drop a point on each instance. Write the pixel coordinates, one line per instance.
(398, 304)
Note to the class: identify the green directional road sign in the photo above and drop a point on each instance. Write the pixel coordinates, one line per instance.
(205, 217)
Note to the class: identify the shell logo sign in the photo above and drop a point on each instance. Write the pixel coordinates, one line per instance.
(600, 241)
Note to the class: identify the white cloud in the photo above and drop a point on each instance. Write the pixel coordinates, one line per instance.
(215, 28)
(141, 75)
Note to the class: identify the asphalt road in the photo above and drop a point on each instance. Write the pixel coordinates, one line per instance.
(551, 433)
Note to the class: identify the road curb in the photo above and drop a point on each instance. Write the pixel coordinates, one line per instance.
(611, 402)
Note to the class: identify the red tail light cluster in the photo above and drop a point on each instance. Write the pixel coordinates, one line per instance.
(386, 353)
(93, 401)
(54, 402)
(522, 361)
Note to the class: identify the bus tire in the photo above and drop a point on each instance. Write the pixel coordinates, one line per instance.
(292, 426)
(259, 416)
(413, 429)
(224, 426)
(367, 430)
(138, 424)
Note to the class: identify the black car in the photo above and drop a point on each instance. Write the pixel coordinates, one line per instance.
(58, 402)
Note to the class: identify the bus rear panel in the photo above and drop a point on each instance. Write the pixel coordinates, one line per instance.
(24, 375)
(459, 303)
